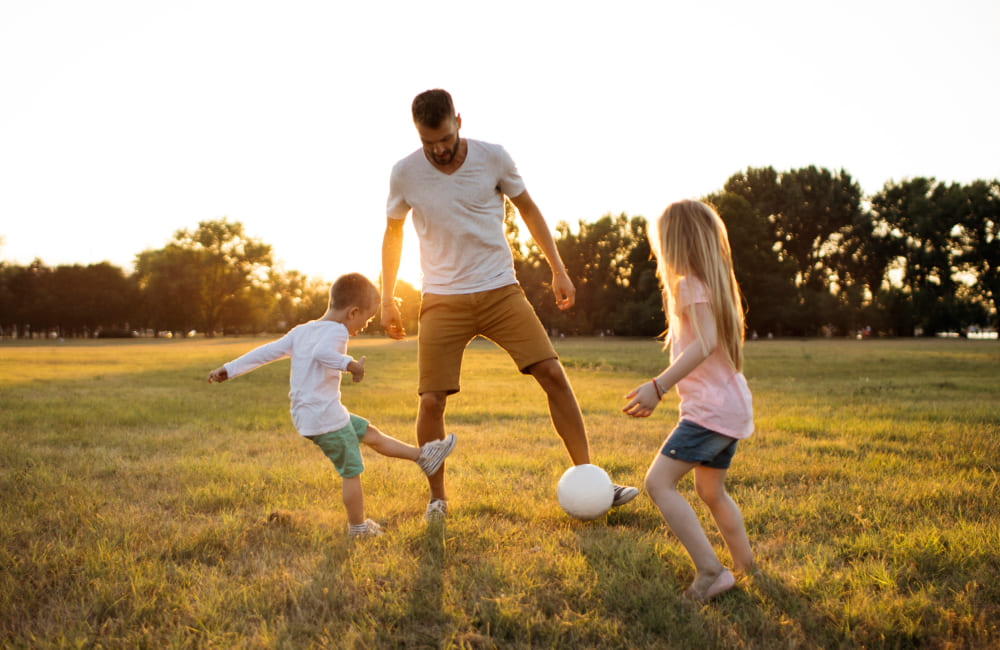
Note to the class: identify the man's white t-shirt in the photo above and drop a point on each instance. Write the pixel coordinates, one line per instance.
(458, 217)
(318, 350)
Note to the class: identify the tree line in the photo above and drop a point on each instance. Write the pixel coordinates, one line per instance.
(812, 255)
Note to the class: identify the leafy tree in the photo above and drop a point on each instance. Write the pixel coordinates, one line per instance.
(213, 279)
(810, 215)
(595, 259)
(297, 298)
(766, 279)
(232, 266)
(979, 242)
(70, 300)
(98, 298)
(31, 301)
(7, 300)
(639, 311)
(919, 219)
(169, 284)
(607, 272)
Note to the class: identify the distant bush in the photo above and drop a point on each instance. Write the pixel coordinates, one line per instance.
(116, 334)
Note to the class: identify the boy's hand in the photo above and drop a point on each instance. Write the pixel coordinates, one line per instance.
(357, 369)
(218, 375)
(644, 401)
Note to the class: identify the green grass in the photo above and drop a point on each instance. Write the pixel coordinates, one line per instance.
(136, 502)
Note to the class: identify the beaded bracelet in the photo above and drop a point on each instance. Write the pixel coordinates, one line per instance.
(659, 393)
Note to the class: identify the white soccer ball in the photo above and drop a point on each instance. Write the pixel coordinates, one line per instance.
(585, 492)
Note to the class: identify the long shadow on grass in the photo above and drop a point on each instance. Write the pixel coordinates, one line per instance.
(426, 606)
(641, 586)
(636, 587)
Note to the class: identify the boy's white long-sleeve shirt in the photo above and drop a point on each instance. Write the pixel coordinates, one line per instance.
(318, 350)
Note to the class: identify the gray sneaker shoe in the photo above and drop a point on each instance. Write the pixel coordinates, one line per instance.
(437, 510)
(624, 494)
(370, 529)
(432, 454)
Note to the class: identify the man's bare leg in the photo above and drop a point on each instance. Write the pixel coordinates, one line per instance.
(563, 408)
(568, 420)
(430, 426)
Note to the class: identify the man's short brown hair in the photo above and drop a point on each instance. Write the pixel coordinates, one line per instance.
(432, 107)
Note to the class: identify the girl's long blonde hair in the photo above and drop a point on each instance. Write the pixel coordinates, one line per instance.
(690, 239)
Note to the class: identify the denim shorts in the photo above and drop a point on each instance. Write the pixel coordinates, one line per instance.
(693, 443)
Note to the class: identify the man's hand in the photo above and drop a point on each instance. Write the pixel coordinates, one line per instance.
(562, 286)
(392, 321)
(564, 290)
(218, 375)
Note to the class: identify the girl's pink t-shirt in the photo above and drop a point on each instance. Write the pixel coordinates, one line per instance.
(713, 395)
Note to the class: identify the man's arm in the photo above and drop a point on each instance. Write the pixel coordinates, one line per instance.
(562, 286)
(392, 250)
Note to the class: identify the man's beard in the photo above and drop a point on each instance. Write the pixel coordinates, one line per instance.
(449, 156)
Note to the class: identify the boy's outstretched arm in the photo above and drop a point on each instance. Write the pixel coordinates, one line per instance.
(218, 375)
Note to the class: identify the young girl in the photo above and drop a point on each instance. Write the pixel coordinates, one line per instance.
(705, 325)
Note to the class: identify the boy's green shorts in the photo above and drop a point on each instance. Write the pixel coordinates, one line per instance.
(343, 447)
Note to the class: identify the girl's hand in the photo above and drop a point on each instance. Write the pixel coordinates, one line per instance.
(644, 401)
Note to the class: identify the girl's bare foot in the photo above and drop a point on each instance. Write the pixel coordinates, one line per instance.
(751, 572)
(706, 587)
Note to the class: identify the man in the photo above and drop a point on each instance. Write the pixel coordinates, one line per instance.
(455, 188)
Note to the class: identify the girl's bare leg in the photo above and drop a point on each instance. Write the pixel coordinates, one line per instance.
(710, 484)
(661, 484)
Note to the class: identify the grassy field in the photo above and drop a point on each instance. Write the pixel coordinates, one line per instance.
(142, 507)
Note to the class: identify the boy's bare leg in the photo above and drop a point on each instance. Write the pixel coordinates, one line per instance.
(354, 500)
(389, 446)
(563, 408)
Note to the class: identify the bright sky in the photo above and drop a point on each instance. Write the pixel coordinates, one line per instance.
(124, 121)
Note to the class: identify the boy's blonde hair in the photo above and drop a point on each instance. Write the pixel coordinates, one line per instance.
(353, 290)
(690, 239)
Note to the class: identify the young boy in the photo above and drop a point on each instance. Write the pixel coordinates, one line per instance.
(318, 350)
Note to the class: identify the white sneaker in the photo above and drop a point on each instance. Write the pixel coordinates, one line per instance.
(624, 494)
(432, 454)
(371, 529)
(437, 510)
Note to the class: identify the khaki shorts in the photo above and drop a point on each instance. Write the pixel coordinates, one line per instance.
(449, 323)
